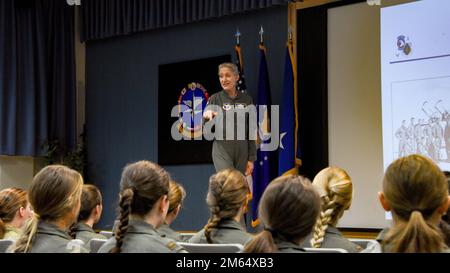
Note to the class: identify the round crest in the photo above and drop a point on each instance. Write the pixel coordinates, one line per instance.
(191, 104)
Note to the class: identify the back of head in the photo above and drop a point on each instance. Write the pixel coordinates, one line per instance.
(288, 210)
(176, 195)
(415, 188)
(11, 200)
(227, 193)
(142, 184)
(335, 189)
(90, 198)
(54, 193)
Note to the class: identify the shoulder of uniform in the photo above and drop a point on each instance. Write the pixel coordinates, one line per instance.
(166, 243)
(247, 97)
(214, 96)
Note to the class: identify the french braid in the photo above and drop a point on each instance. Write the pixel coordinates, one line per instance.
(125, 209)
(324, 220)
(335, 189)
(227, 193)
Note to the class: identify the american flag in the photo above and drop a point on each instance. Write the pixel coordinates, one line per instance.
(241, 83)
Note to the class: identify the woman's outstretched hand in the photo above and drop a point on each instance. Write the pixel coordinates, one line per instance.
(209, 115)
(249, 169)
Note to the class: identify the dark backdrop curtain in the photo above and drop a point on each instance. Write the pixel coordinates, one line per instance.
(313, 88)
(37, 76)
(107, 18)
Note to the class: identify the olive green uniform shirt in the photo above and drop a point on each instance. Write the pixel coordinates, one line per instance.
(167, 232)
(288, 247)
(227, 232)
(141, 237)
(232, 153)
(85, 233)
(51, 239)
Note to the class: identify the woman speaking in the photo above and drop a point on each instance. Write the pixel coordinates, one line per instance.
(231, 153)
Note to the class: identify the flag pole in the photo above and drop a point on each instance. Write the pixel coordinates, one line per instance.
(290, 34)
(238, 36)
(261, 35)
(237, 48)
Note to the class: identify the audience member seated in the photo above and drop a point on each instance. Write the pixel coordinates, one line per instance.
(90, 213)
(144, 201)
(227, 198)
(54, 194)
(14, 211)
(416, 192)
(288, 210)
(176, 197)
(335, 190)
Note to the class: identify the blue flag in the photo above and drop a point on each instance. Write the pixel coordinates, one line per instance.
(262, 174)
(288, 153)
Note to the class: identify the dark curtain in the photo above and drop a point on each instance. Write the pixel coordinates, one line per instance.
(313, 89)
(37, 76)
(108, 18)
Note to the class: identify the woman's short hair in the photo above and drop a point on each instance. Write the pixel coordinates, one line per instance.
(231, 66)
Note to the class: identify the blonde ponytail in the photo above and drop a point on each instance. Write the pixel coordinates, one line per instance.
(29, 233)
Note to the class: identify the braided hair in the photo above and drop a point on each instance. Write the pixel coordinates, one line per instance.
(142, 184)
(126, 197)
(227, 193)
(335, 189)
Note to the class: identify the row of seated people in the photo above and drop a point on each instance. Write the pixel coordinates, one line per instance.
(295, 213)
